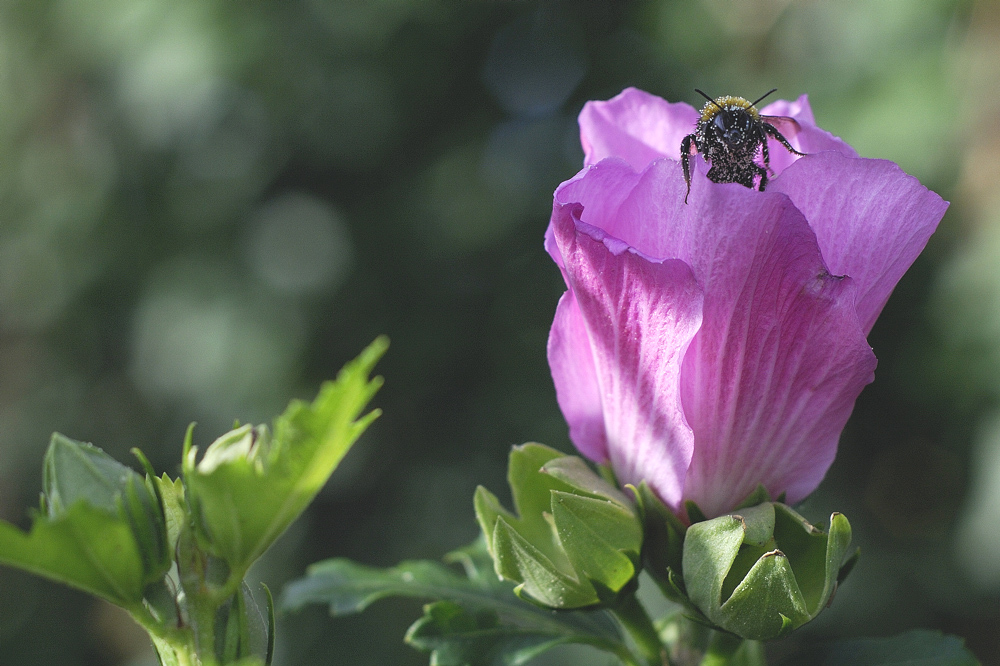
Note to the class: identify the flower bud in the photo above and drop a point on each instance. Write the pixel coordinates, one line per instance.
(763, 571)
(576, 540)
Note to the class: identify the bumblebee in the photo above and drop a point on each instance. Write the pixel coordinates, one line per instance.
(729, 134)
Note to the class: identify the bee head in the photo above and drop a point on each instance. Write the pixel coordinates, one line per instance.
(733, 126)
(731, 119)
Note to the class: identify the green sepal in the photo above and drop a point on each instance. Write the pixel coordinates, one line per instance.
(758, 496)
(575, 473)
(174, 512)
(664, 533)
(764, 570)
(476, 618)
(574, 540)
(540, 581)
(252, 484)
(601, 538)
(767, 603)
(694, 512)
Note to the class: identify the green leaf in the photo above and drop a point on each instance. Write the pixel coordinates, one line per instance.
(101, 528)
(914, 648)
(456, 637)
(482, 621)
(250, 486)
(75, 471)
(85, 547)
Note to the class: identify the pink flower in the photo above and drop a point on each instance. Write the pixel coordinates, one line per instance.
(710, 347)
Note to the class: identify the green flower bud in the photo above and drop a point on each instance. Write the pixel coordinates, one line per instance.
(575, 541)
(763, 571)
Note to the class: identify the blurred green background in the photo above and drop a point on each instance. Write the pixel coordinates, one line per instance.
(208, 206)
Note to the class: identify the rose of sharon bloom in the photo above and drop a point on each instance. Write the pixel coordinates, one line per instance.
(709, 347)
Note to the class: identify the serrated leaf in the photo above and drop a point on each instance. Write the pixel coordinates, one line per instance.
(85, 547)
(919, 647)
(455, 637)
(251, 487)
(481, 617)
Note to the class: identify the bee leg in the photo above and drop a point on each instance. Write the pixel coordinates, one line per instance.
(763, 177)
(687, 143)
(771, 130)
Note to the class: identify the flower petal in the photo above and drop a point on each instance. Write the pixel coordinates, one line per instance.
(577, 388)
(771, 377)
(635, 126)
(640, 315)
(807, 138)
(871, 220)
(602, 187)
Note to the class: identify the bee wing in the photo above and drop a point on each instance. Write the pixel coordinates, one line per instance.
(784, 124)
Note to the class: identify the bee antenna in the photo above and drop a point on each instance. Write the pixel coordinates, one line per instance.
(714, 102)
(764, 95)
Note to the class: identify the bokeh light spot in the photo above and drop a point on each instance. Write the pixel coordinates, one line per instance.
(299, 244)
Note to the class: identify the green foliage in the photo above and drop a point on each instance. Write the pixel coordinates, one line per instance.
(913, 648)
(107, 530)
(475, 618)
(251, 484)
(763, 571)
(100, 527)
(575, 541)
(84, 547)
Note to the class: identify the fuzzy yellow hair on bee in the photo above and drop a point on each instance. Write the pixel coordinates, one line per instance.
(729, 102)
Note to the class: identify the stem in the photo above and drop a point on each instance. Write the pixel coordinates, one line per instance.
(180, 642)
(202, 611)
(634, 619)
(721, 648)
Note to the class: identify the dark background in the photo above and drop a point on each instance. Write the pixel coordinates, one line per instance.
(208, 207)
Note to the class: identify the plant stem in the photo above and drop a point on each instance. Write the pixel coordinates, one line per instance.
(179, 642)
(636, 622)
(721, 648)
